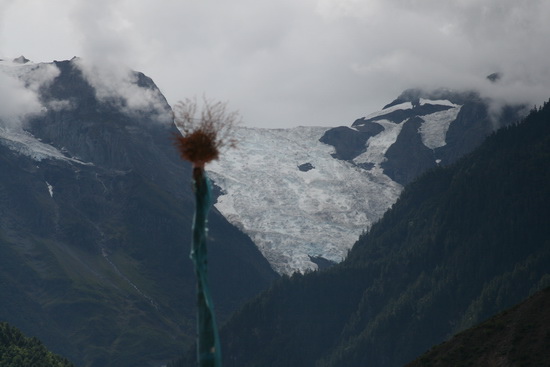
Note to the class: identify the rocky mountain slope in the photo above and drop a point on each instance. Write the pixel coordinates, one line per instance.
(95, 217)
(306, 194)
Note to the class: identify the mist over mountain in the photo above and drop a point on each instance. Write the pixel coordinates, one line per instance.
(95, 229)
(462, 243)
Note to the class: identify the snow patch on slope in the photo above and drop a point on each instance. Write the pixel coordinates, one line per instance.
(385, 111)
(23, 142)
(50, 188)
(291, 214)
(441, 102)
(378, 145)
(435, 126)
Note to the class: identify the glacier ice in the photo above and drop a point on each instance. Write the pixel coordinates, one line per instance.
(285, 190)
(292, 214)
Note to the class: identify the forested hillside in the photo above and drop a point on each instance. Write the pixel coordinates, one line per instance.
(17, 350)
(461, 244)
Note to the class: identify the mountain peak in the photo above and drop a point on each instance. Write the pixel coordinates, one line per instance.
(21, 60)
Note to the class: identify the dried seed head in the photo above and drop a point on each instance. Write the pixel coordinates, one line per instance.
(203, 137)
(198, 147)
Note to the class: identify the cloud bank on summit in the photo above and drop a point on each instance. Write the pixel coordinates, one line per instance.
(305, 62)
(19, 93)
(21, 80)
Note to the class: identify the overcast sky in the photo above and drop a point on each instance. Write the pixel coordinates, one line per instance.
(286, 63)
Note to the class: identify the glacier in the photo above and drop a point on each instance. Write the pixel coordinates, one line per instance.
(290, 213)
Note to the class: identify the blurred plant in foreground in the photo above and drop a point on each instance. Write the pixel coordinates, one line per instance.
(203, 135)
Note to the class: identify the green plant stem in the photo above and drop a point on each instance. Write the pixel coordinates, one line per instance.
(208, 346)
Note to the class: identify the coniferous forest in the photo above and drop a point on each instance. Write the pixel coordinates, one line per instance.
(17, 350)
(461, 244)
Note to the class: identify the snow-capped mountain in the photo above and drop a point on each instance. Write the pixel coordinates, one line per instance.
(308, 192)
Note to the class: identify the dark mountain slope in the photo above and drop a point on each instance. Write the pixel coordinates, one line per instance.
(94, 253)
(516, 337)
(461, 244)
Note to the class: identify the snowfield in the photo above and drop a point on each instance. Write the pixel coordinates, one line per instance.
(434, 128)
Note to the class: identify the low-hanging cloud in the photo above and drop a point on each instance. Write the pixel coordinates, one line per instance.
(110, 44)
(16, 102)
(331, 61)
(305, 62)
(19, 92)
(456, 44)
(116, 83)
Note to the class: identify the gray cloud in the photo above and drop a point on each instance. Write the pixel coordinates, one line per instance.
(19, 85)
(110, 43)
(457, 43)
(116, 83)
(309, 62)
(16, 102)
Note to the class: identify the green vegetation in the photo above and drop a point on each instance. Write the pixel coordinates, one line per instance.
(17, 350)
